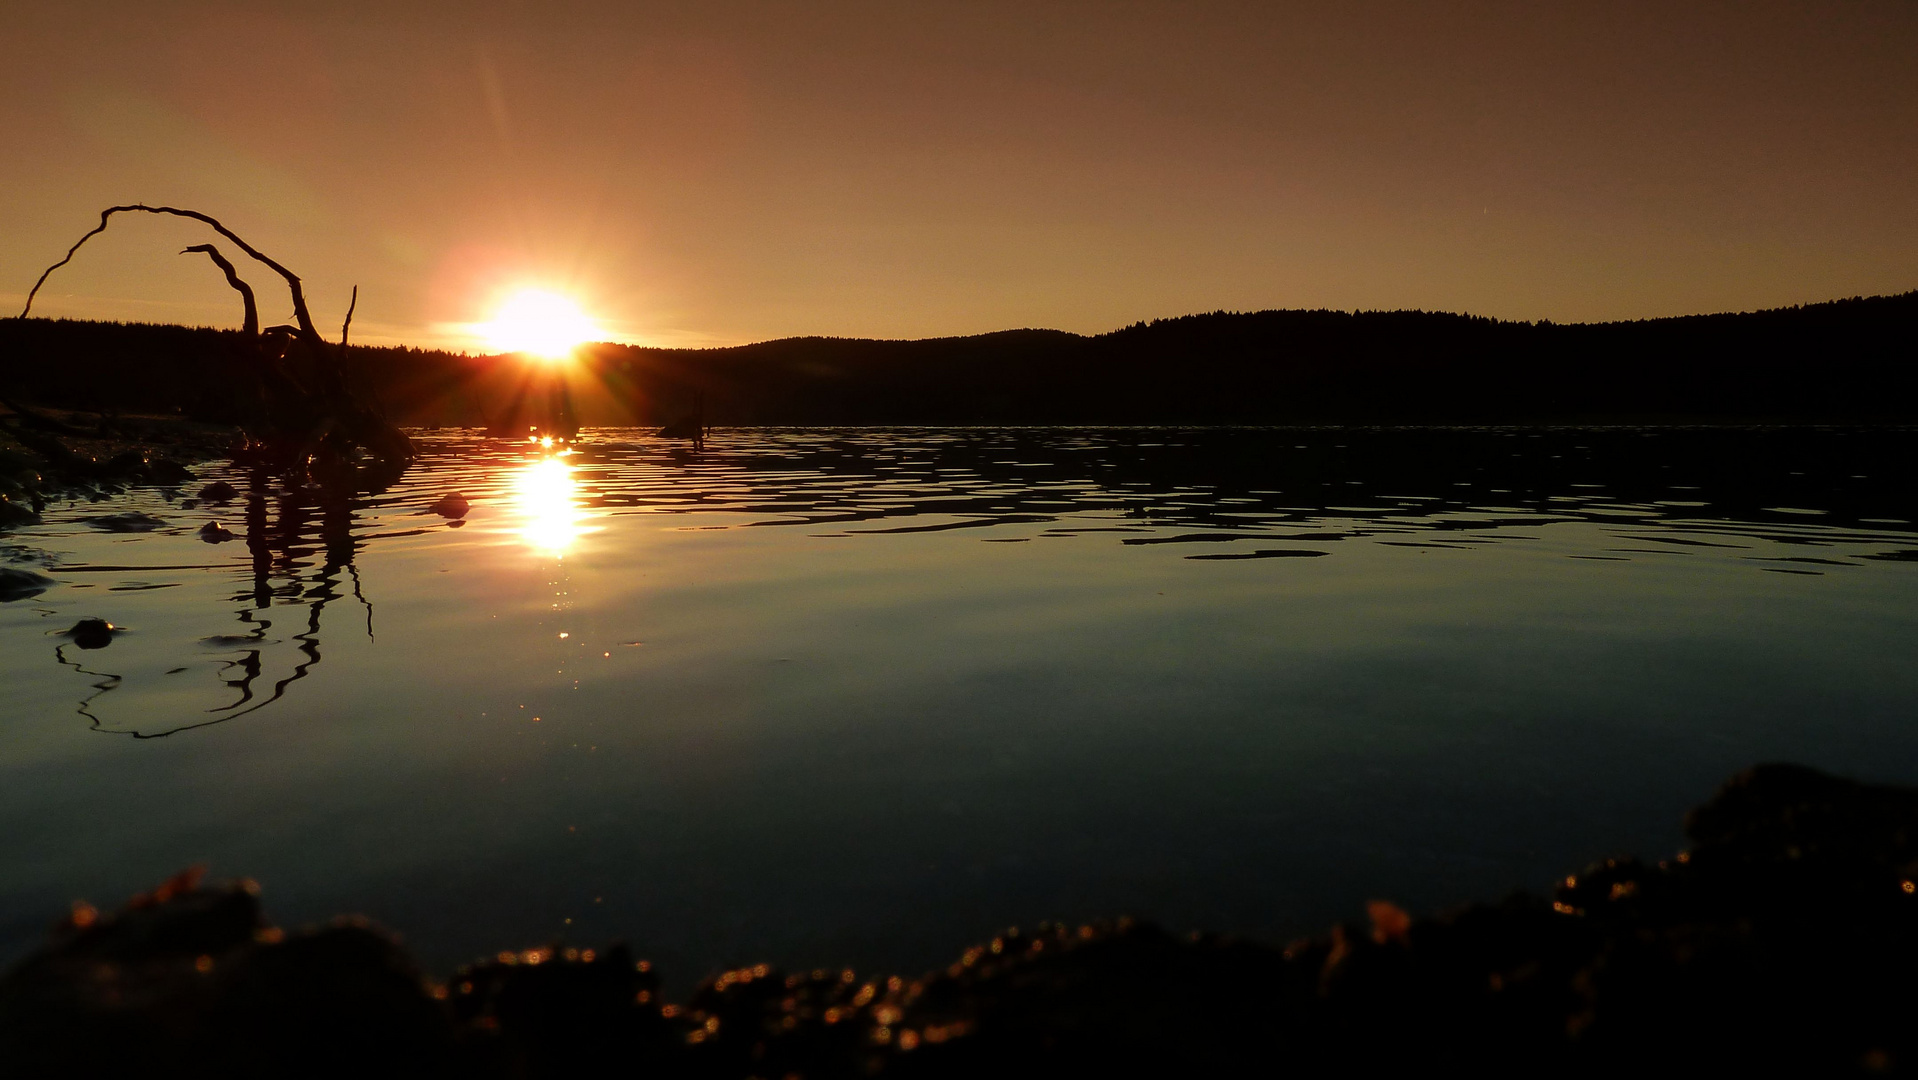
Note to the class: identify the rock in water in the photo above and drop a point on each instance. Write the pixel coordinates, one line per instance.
(452, 506)
(128, 463)
(215, 533)
(219, 491)
(16, 513)
(129, 522)
(18, 584)
(93, 633)
(168, 473)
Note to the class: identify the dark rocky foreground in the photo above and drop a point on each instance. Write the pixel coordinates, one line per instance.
(52, 455)
(1784, 942)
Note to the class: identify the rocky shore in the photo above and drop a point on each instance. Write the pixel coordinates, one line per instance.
(49, 455)
(1782, 942)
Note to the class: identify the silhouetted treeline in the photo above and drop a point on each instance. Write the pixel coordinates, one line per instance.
(1847, 360)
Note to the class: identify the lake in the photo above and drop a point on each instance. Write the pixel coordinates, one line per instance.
(825, 697)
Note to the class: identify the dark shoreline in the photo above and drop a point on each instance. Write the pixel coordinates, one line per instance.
(1782, 941)
(1840, 361)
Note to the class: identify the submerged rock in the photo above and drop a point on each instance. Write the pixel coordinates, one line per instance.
(219, 491)
(215, 533)
(18, 584)
(132, 521)
(451, 506)
(1781, 944)
(13, 513)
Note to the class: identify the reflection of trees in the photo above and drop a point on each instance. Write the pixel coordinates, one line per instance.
(300, 537)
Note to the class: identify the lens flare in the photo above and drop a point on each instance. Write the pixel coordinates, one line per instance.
(539, 323)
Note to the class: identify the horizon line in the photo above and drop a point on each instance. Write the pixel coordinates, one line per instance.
(1135, 325)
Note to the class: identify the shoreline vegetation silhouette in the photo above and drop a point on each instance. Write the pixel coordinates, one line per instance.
(1779, 942)
(1843, 361)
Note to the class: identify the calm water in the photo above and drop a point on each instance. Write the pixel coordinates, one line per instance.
(821, 697)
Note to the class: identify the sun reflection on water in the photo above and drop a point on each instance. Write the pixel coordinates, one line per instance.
(546, 497)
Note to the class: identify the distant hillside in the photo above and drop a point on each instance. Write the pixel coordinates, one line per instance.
(1843, 361)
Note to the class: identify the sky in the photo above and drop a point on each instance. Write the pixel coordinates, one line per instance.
(715, 173)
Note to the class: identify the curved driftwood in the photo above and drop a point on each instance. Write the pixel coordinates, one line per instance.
(252, 328)
(302, 373)
(300, 313)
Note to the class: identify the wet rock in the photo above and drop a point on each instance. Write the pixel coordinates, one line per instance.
(215, 533)
(451, 506)
(1781, 944)
(168, 473)
(193, 978)
(18, 584)
(219, 491)
(565, 1011)
(92, 633)
(14, 514)
(129, 522)
(124, 464)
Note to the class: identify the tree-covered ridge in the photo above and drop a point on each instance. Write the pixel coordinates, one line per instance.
(1841, 361)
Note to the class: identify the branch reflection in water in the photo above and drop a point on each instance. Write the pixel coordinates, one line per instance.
(305, 520)
(302, 545)
(1799, 502)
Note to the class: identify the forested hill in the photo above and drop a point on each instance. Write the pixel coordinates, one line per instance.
(1843, 361)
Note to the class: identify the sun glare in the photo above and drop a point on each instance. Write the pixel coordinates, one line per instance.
(539, 323)
(546, 495)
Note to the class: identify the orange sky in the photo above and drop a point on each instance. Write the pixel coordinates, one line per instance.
(714, 173)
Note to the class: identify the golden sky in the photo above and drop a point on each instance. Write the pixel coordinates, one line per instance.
(720, 172)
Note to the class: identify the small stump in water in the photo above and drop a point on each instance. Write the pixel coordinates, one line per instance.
(451, 506)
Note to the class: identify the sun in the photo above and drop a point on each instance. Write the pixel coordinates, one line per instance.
(539, 323)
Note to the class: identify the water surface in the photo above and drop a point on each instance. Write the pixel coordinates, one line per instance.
(824, 697)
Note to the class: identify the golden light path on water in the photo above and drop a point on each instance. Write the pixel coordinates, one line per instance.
(545, 496)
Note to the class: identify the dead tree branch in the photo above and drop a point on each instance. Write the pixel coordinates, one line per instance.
(312, 413)
(252, 328)
(300, 313)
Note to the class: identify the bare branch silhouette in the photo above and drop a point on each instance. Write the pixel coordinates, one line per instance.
(348, 324)
(233, 278)
(310, 410)
(300, 313)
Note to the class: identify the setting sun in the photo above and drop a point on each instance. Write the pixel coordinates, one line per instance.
(539, 323)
